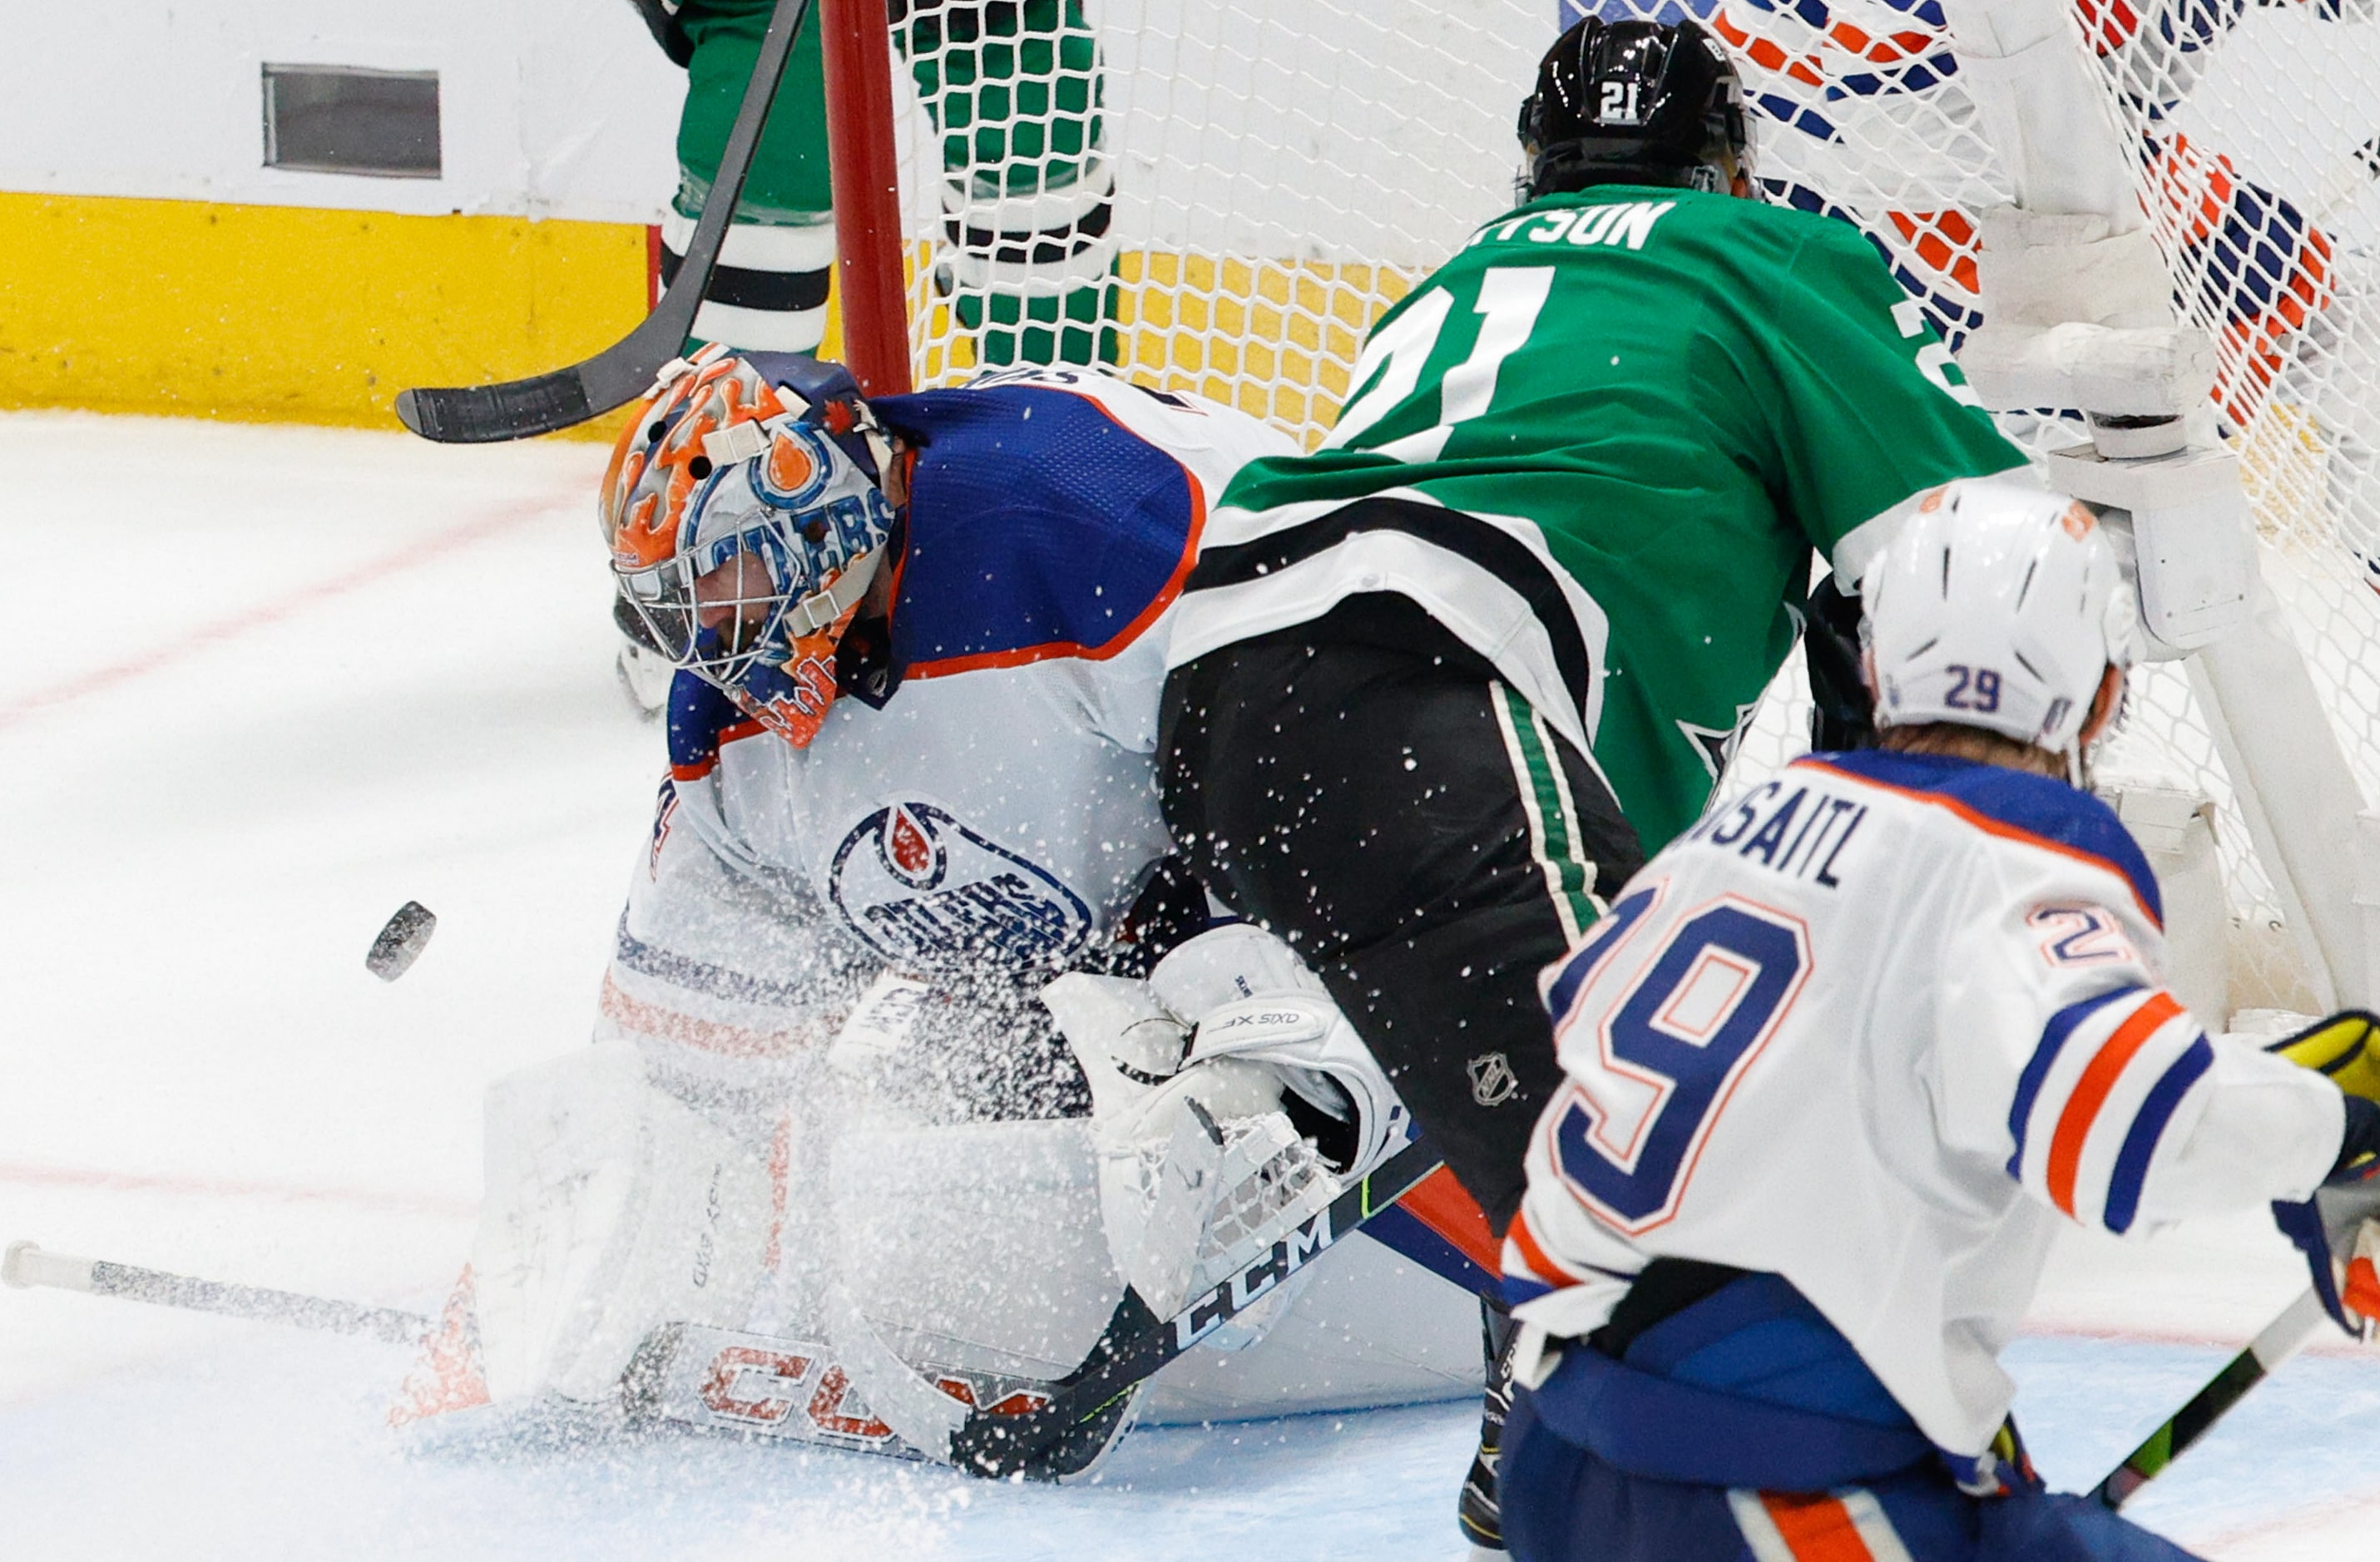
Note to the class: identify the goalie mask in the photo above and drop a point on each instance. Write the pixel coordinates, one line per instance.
(1634, 103)
(745, 524)
(2001, 606)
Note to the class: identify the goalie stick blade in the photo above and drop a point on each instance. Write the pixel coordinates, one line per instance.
(520, 409)
(1064, 1437)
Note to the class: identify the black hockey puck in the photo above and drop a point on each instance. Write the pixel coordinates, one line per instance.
(401, 942)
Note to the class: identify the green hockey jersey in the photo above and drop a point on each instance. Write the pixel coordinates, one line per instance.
(1598, 445)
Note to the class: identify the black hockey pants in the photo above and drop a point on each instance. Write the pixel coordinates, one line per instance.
(1425, 841)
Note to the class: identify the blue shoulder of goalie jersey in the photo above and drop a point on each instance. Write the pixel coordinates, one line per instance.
(1039, 526)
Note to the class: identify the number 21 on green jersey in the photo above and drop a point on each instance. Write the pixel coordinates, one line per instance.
(1509, 300)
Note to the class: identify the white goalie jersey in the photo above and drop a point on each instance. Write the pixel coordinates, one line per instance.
(1876, 1026)
(986, 820)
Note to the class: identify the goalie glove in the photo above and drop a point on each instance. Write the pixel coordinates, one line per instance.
(2336, 1229)
(1249, 1001)
(1199, 1169)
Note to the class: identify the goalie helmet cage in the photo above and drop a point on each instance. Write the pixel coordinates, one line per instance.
(1220, 196)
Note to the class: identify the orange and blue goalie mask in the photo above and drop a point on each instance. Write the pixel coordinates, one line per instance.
(745, 540)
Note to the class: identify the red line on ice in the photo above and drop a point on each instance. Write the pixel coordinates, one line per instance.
(2211, 1339)
(412, 555)
(26, 1175)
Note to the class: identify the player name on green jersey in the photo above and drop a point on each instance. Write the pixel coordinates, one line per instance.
(1598, 445)
(1629, 223)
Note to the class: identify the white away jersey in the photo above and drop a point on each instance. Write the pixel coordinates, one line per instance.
(998, 813)
(1874, 1025)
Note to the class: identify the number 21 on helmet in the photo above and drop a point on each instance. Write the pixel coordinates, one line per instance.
(1635, 103)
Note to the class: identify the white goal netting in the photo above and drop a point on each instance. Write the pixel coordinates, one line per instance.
(1218, 195)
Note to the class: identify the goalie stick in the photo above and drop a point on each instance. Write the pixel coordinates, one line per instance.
(620, 373)
(28, 1265)
(2282, 1338)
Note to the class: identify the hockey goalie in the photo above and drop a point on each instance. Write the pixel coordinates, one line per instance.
(916, 1050)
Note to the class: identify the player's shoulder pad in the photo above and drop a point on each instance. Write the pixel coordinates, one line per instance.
(2014, 806)
(700, 719)
(1039, 525)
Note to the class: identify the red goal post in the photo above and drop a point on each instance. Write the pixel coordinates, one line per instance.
(867, 194)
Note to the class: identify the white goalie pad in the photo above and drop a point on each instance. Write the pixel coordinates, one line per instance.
(2049, 268)
(2182, 521)
(976, 1245)
(2081, 314)
(2025, 68)
(2160, 371)
(611, 1209)
(1360, 1329)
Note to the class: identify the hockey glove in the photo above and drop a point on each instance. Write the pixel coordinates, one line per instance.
(1249, 999)
(1200, 1168)
(2336, 1230)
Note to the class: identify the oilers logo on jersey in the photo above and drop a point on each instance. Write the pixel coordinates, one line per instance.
(928, 893)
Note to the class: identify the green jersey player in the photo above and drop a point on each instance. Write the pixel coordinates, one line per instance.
(1438, 684)
(1667, 398)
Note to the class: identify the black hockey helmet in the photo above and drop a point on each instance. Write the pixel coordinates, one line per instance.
(1634, 103)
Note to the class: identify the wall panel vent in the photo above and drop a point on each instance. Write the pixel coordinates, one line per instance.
(344, 119)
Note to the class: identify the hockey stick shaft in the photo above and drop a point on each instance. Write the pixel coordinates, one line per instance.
(2282, 1338)
(1058, 1438)
(27, 1264)
(519, 409)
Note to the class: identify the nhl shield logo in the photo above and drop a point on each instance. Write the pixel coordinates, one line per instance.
(1493, 1082)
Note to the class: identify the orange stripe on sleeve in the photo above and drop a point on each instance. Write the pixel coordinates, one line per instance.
(1816, 1527)
(1541, 1263)
(2091, 1091)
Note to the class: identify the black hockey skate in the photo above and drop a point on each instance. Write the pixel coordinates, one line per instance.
(1478, 1509)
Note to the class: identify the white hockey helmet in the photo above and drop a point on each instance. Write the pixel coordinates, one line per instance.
(1997, 606)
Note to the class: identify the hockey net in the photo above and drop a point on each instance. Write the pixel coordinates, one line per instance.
(1218, 195)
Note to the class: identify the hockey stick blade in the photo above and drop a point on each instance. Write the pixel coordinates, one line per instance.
(27, 1264)
(1063, 1436)
(2282, 1338)
(519, 408)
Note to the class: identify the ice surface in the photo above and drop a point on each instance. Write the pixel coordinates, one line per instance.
(260, 686)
